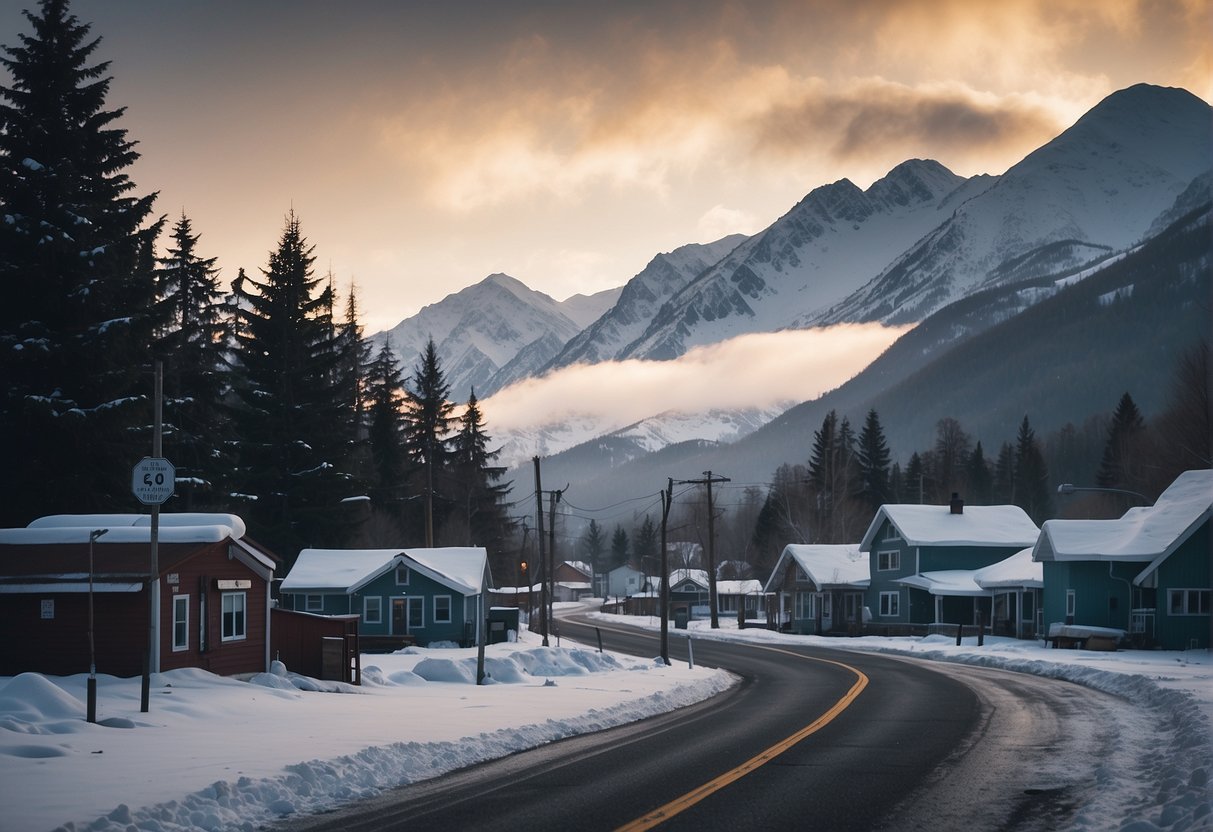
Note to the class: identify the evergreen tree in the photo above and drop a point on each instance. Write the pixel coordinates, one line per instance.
(353, 359)
(873, 457)
(593, 544)
(619, 547)
(385, 432)
(1004, 475)
(427, 434)
(194, 346)
(896, 484)
(1031, 476)
(979, 478)
(1186, 420)
(291, 458)
(1122, 455)
(646, 544)
(481, 497)
(77, 269)
(914, 485)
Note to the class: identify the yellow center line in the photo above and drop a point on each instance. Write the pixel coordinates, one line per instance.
(681, 804)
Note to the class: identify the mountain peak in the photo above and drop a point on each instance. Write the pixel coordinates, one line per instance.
(914, 181)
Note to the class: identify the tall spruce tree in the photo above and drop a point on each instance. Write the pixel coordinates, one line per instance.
(1031, 475)
(427, 435)
(979, 478)
(1004, 475)
(620, 550)
(1122, 462)
(77, 272)
(873, 457)
(481, 496)
(385, 432)
(593, 543)
(290, 457)
(194, 344)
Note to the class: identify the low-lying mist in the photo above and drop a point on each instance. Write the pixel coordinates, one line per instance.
(757, 370)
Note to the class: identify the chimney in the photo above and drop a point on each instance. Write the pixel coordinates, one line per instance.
(957, 505)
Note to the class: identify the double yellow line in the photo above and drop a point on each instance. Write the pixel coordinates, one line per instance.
(681, 804)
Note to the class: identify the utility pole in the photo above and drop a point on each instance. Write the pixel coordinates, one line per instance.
(551, 592)
(151, 660)
(543, 592)
(667, 500)
(707, 480)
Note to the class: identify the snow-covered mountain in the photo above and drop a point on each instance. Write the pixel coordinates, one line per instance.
(481, 329)
(639, 300)
(1096, 188)
(823, 249)
(634, 440)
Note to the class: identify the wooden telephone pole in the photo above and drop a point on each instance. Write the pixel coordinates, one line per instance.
(707, 480)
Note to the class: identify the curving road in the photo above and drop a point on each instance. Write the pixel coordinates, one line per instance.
(826, 739)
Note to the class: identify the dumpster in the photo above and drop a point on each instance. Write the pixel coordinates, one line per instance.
(501, 621)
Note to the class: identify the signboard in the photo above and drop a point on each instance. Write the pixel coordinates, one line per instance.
(48, 608)
(153, 480)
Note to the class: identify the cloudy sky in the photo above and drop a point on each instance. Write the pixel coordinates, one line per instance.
(427, 145)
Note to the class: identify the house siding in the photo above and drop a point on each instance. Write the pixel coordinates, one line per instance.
(1189, 567)
(59, 646)
(1101, 596)
(909, 609)
(460, 629)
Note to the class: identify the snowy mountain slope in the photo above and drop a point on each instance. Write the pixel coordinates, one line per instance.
(583, 310)
(1098, 186)
(825, 247)
(479, 330)
(640, 299)
(634, 440)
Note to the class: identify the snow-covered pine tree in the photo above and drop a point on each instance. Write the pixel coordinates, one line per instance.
(76, 268)
(427, 435)
(193, 343)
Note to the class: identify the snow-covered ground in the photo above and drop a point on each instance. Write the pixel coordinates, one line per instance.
(217, 753)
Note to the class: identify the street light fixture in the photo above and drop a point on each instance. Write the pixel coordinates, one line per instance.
(92, 650)
(1071, 488)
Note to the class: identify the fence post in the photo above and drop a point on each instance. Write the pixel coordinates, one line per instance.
(959, 631)
(599, 632)
(981, 629)
(690, 654)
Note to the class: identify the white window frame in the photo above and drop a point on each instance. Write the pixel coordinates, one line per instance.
(891, 560)
(236, 633)
(181, 621)
(890, 604)
(402, 569)
(1071, 601)
(313, 603)
(804, 605)
(1187, 596)
(412, 602)
(372, 603)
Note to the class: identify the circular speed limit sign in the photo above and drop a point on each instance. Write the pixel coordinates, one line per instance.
(152, 480)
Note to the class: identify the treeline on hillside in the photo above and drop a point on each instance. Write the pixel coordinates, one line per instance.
(835, 493)
(273, 408)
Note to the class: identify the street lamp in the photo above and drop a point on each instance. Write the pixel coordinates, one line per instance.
(1070, 488)
(92, 650)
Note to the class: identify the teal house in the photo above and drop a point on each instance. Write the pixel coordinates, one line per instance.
(1146, 573)
(418, 595)
(921, 560)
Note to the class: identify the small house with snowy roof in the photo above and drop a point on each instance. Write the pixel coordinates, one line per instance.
(211, 595)
(916, 552)
(402, 596)
(820, 588)
(1146, 573)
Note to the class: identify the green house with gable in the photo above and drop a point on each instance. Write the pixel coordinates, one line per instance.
(420, 596)
(914, 550)
(1146, 573)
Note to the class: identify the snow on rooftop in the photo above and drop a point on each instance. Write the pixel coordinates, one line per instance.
(945, 582)
(923, 525)
(342, 570)
(835, 563)
(1141, 535)
(1015, 571)
(746, 587)
(167, 519)
(121, 534)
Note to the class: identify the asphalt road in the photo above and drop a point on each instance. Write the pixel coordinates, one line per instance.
(865, 756)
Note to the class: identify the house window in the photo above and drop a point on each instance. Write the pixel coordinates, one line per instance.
(416, 613)
(890, 532)
(313, 603)
(802, 577)
(234, 605)
(372, 609)
(442, 609)
(804, 605)
(1071, 602)
(890, 604)
(888, 561)
(1189, 601)
(402, 575)
(181, 623)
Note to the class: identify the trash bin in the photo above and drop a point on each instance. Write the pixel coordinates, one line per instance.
(501, 621)
(680, 618)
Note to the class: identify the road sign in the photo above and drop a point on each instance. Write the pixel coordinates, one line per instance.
(152, 480)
